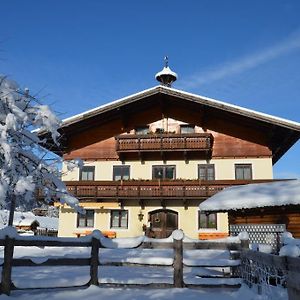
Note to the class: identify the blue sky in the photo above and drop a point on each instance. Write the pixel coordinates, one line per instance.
(79, 54)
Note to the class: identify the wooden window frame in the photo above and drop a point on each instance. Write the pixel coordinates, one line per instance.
(119, 219)
(243, 166)
(92, 170)
(187, 126)
(122, 167)
(85, 217)
(206, 167)
(207, 220)
(164, 171)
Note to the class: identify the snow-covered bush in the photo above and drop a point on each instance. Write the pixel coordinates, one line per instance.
(291, 246)
(25, 166)
(289, 250)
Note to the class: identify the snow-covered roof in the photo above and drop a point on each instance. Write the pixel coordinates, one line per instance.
(27, 218)
(254, 195)
(189, 96)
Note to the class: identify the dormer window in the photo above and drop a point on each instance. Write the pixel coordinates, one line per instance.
(142, 130)
(187, 129)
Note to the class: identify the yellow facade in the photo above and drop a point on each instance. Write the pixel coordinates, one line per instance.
(224, 168)
(187, 219)
(187, 215)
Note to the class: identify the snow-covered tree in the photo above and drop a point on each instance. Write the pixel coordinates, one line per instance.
(25, 167)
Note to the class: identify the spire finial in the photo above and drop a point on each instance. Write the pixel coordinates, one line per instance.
(166, 76)
(166, 59)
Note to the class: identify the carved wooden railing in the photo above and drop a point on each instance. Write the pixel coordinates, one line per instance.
(164, 142)
(148, 189)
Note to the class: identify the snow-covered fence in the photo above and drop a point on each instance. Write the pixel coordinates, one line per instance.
(96, 241)
(268, 271)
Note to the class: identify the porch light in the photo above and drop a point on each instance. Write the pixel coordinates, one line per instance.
(140, 216)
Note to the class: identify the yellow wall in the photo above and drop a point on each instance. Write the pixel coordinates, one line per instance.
(224, 168)
(187, 219)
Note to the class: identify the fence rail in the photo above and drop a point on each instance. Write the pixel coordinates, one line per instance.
(93, 261)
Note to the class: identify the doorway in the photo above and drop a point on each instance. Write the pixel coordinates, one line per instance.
(163, 223)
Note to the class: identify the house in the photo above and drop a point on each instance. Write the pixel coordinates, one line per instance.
(152, 157)
(264, 210)
(27, 222)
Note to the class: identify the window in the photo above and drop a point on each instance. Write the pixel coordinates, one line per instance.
(86, 220)
(121, 172)
(187, 129)
(163, 172)
(142, 130)
(243, 171)
(206, 172)
(207, 221)
(119, 219)
(87, 173)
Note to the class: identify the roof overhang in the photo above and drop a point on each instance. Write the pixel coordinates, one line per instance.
(282, 133)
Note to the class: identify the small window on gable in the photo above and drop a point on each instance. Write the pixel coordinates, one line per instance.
(243, 171)
(142, 130)
(187, 129)
(87, 173)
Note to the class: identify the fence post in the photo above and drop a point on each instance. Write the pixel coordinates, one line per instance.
(293, 277)
(245, 244)
(178, 236)
(6, 283)
(94, 262)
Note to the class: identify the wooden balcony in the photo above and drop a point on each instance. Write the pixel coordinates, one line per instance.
(164, 143)
(150, 189)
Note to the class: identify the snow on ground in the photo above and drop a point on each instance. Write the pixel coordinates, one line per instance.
(65, 276)
(93, 293)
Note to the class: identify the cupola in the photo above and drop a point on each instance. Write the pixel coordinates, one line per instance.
(166, 76)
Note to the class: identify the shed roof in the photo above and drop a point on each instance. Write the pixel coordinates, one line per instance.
(279, 193)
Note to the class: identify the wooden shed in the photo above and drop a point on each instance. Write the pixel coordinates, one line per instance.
(263, 203)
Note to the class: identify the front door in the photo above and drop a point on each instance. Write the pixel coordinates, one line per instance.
(163, 223)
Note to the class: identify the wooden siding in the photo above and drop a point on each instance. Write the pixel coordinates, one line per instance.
(289, 215)
(223, 146)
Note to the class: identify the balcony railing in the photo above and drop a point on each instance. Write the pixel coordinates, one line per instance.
(164, 142)
(152, 189)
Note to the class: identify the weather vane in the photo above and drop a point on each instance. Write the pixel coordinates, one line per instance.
(166, 59)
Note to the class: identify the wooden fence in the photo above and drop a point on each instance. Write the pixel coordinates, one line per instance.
(268, 271)
(177, 245)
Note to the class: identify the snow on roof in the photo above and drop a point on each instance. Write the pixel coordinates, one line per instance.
(47, 222)
(254, 195)
(166, 71)
(26, 219)
(197, 98)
